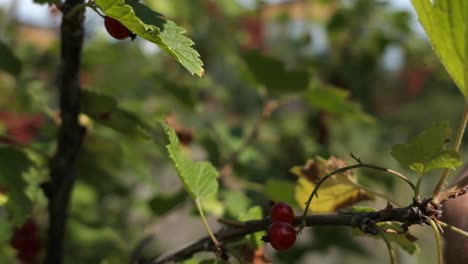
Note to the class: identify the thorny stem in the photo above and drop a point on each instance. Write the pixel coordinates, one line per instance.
(344, 169)
(205, 223)
(409, 215)
(391, 251)
(440, 255)
(456, 146)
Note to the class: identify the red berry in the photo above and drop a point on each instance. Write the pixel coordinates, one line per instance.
(116, 29)
(282, 212)
(281, 235)
(26, 242)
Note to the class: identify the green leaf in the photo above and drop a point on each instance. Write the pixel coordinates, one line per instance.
(254, 213)
(212, 205)
(199, 178)
(13, 165)
(405, 241)
(334, 100)
(280, 191)
(237, 203)
(9, 62)
(105, 110)
(162, 204)
(445, 22)
(153, 27)
(272, 74)
(427, 150)
(7, 253)
(6, 230)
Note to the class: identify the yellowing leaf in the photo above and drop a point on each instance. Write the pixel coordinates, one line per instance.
(337, 192)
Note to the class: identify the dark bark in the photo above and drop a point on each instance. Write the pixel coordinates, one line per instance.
(70, 134)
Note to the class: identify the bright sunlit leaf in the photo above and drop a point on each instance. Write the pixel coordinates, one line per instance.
(198, 177)
(446, 22)
(154, 27)
(337, 192)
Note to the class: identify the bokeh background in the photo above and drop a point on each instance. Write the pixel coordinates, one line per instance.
(127, 189)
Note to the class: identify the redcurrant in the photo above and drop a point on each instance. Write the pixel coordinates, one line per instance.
(26, 242)
(282, 212)
(281, 235)
(116, 29)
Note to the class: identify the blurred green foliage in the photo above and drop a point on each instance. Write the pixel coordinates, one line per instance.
(374, 81)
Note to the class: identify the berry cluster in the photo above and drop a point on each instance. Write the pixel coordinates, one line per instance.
(281, 234)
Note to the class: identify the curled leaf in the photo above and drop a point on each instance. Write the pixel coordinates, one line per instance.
(338, 192)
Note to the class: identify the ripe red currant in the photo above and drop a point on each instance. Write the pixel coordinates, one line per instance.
(26, 242)
(116, 29)
(282, 212)
(281, 235)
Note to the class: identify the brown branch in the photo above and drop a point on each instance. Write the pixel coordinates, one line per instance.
(416, 213)
(70, 134)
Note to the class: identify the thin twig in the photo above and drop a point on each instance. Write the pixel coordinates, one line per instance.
(458, 140)
(205, 223)
(418, 187)
(409, 215)
(344, 169)
(391, 251)
(440, 255)
(453, 228)
(70, 134)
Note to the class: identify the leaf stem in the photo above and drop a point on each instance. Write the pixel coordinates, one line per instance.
(453, 228)
(440, 255)
(391, 251)
(205, 223)
(341, 170)
(418, 187)
(456, 147)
